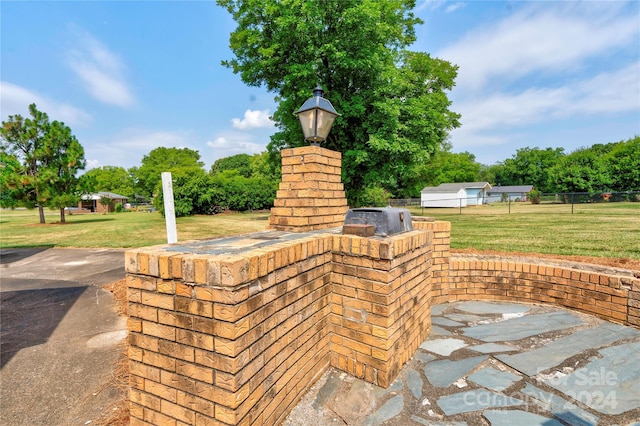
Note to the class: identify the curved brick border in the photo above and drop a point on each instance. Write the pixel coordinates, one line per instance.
(612, 294)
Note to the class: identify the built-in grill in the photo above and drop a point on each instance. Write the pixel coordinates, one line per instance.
(377, 221)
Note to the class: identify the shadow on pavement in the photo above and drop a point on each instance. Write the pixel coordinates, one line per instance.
(9, 255)
(29, 317)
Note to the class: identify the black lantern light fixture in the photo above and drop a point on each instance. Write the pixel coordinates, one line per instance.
(316, 117)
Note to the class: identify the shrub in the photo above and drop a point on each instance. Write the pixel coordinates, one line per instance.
(374, 196)
(534, 196)
(200, 193)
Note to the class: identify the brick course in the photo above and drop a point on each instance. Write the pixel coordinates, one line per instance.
(235, 340)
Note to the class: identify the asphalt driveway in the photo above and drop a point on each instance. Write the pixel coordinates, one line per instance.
(59, 334)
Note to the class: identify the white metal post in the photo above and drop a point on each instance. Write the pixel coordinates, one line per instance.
(169, 209)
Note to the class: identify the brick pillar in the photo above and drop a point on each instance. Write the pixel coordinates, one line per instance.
(441, 281)
(311, 195)
(381, 303)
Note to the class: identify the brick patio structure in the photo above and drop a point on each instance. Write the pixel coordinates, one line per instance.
(235, 331)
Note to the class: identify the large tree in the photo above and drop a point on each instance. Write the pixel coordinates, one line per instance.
(178, 161)
(110, 179)
(446, 167)
(394, 108)
(581, 171)
(239, 162)
(49, 157)
(624, 165)
(64, 157)
(10, 170)
(530, 166)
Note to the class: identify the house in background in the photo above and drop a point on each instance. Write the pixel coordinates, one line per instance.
(460, 194)
(91, 202)
(509, 193)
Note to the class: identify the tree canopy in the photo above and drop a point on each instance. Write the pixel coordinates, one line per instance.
(45, 158)
(110, 179)
(446, 167)
(530, 166)
(395, 112)
(178, 161)
(239, 162)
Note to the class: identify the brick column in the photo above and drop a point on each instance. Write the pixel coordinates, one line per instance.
(381, 303)
(311, 195)
(441, 282)
(228, 339)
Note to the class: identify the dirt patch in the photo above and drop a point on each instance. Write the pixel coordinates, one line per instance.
(118, 413)
(624, 263)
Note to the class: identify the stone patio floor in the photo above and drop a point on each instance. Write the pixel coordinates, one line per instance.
(491, 363)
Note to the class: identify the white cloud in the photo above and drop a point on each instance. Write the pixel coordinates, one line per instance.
(429, 4)
(227, 146)
(438, 4)
(147, 140)
(253, 120)
(92, 164)
(617, 91)
(100, 70)
(455, 6)
(605, 93)
(541, 38)
(543, 69)
(16, 99)
(127, 147)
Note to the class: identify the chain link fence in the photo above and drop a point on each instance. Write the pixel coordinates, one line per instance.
(542, 201)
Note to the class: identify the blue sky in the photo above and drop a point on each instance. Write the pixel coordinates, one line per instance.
(128, 77)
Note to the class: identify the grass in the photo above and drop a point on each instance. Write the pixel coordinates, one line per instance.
(597, 230)
(20, 228)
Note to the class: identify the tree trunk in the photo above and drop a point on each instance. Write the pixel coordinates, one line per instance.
(62, 217)
(41, 211)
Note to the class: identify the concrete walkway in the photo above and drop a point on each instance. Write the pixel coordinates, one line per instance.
(498, 364)
(59, 335)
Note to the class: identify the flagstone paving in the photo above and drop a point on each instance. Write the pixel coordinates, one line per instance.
(491, 363)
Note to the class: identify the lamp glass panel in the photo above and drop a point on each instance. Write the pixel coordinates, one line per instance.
(325, 121)
(307, 122)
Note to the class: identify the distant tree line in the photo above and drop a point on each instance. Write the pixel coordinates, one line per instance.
(40, 161)
(240, 182)
(249, 182)
(611, 167)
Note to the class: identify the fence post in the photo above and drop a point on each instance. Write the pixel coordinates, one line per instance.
(572, 194)
(509, 204)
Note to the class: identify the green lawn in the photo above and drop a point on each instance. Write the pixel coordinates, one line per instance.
(600, 230)
(20, 228)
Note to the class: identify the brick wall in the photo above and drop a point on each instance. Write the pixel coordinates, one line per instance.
(610, 293)
(441, 255)
(227, 339)
(237, 340)
(380, 303)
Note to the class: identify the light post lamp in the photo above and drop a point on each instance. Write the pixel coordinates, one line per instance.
(316, 117)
